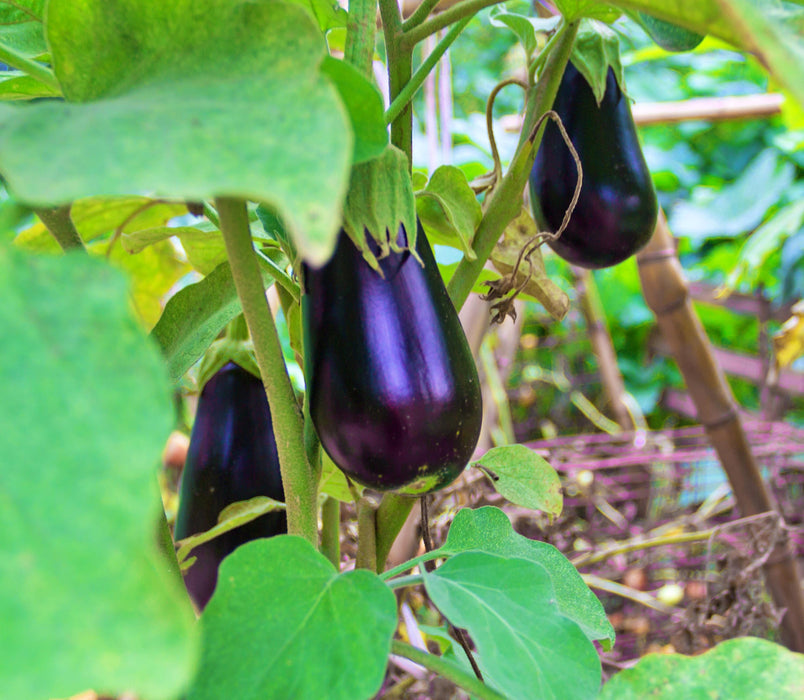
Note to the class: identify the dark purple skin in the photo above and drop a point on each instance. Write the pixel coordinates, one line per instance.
(232, 457)
(617, 209)
(394, 391)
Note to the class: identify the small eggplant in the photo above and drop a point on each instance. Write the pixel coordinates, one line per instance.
(617, 209)
(394, 391)
(232, 457)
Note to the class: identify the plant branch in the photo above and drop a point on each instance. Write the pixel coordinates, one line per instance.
(400, 68)
(506, 199)
(446, 670)
(366, 535)
(57, 220)
(391, 516)
(330, 531)
(421, 13)
(641, 597)
(404, 566)
(299, 479)
(33, 68)
(361, 30)
(466, 8)
(418, 78)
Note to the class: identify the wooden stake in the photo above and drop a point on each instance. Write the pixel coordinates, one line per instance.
(666, 293)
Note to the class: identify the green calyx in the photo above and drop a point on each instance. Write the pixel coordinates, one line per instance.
(379, 201)
(235, 346)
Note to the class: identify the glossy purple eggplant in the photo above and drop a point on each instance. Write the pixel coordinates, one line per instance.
(617, 209)
(232, 457)
(394, 391)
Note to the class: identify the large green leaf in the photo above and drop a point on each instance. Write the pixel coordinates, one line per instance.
(739, 668)
(194, 317)
(21, 26)
(85, 598)
(187, 99)
(489, 530)
(284, 624)
(757, 26)
(523, 477)
(526, 647)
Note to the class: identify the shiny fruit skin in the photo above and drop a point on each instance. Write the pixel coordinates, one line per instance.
(617, 209)
(394, 391)
(232, 457)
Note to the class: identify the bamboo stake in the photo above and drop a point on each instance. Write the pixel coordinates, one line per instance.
(666, 293)
(610, 376)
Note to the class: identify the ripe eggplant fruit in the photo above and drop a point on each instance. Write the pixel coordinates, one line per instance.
(232, 457)
(393, 390)
(617, 208)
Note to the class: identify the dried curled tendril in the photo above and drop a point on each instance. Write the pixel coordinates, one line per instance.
(505, 290)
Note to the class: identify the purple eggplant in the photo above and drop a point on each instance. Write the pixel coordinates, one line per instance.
(232, 457)
(617, 209)
(393, 390)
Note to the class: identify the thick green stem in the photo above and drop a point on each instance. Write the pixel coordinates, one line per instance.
(366, 535)
(413, 85)
(391, 516)
(404, 581)
(400, 69)
(26, 65)
(298, 477)
(360, 33)
(467, 8)
(506, 199)
(331, 530)
(447, 670)
(421, 13)
(61, 226)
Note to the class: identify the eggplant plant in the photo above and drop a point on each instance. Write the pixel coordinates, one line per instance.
(246, 110)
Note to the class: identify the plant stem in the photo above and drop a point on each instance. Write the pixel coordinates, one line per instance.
(212, 215)
(330, 531)
(366, 535)
(361, 30)
(413, 85)
(447, 670)
(506, 199)
(421, 13)
(297, 474)
(33, 68)
(427, 556)
(402, 581)
(466, 8)
(400, 69)
(391, 516)
(618, 589)
(61, 226)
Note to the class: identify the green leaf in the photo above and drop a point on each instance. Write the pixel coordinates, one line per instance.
(526, 647)
(98, 216)
(194, 317)
(85, 598)
(191, 101)
(744, 200)
(746, 667)
(333, 482)
(234, 515)
(764, 242)
(21, 26)
(284, 624)
(525, 28)
(380, 199)
(489, 530)
(18, 86)
(364, 104)
(448, 209)
(593, 9)
(523, 477)
(327, 13)
(669, 36)
(596, 48)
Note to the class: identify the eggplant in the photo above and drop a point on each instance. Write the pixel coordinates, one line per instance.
(393, 389)
(617, 209)
(232, 457)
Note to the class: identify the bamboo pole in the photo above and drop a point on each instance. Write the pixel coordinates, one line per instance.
(610, 376)
(666, 293)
